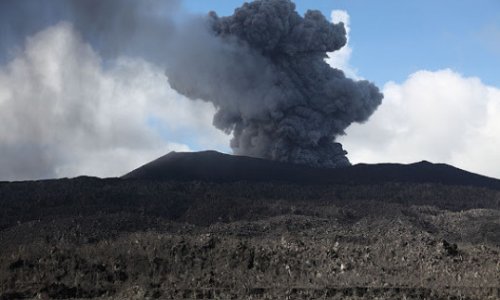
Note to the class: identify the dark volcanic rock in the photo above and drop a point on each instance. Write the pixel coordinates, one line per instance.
(218, 167)
(213, 226)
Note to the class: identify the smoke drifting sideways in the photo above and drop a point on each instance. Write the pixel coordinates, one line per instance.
(113, 27)
(264, 70)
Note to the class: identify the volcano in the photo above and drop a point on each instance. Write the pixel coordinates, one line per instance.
(207, 225)
(213, 166)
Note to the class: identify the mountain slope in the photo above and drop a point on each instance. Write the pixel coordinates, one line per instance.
(225, 227)
(217, 167)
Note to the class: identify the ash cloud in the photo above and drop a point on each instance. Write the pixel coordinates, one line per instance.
(73, 86)
(125, 27)
(113, 27)
(264, 70)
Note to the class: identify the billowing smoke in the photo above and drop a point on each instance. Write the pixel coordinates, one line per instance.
(264, 70)
(75, 75)
(114, 27)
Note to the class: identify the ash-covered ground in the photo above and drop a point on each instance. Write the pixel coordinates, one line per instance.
(89, 238)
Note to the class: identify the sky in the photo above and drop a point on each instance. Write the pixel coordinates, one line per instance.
(393, 39)
(70, 105)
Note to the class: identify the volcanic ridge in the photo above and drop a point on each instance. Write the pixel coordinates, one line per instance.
(219, 167)
(208, 225)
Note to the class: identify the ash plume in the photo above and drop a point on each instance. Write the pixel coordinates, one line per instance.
(264, 70)
(114, 27)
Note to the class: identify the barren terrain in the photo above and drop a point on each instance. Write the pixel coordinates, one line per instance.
(135, 239)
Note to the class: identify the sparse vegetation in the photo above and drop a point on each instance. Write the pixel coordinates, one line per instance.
(112, 238)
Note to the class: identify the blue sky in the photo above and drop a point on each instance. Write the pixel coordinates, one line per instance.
(68, 107)
(392, 39)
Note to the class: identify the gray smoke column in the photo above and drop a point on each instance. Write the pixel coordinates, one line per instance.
(263, 68)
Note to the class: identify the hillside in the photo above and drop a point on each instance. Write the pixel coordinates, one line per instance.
(211, 226)
(218, 167)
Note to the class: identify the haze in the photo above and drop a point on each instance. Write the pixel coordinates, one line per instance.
(84, 97)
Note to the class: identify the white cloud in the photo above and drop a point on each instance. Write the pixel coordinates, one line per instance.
(439, 116)
(62, 113)
(340, 59)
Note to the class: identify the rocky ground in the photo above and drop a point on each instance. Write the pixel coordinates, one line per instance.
(124, 239)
